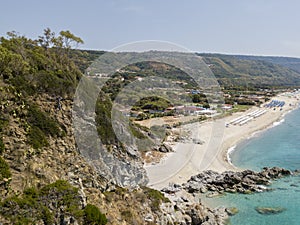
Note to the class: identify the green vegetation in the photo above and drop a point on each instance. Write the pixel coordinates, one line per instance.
(93, 216)
(150, 107)
(158, 69)
(198, 98)
(250, 72)
(66, 196)
(103, 120)
(288, 62)
(34, 205)
(42, 120)
(30, 68)
(48, 66)
(36, 138)
(135, 131)
(156, 198)
(2, 147)
(4, 170)
(152, 103)
(41, 126)
(3, 123)
(127, 215)
(42, 65)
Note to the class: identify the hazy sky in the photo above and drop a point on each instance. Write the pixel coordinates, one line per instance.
(259, 27)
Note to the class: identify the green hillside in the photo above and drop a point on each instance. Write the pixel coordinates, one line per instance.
(230, 70)
(238, 70)
(288, 62)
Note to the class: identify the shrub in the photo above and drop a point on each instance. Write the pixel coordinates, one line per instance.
(93, 216)
(43, 121)
(1, 145)
(127, 215)
(156, 198)
(47, 216)
(34, 204)
(103, 120)
(42, 125)
(36, 138)
(4, 170)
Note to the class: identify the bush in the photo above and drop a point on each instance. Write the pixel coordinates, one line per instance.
(56, 82)
(2, 147)
(156, 198)
(22, 85)
(93, 216)
(43, 121)
(43, 204)
(31, 192)
(36, 138)
(42, 125)
(127, 215)
(103, 120)
(47, 216)
(4, 170)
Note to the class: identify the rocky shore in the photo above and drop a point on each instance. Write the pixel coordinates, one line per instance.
(188, 206)
(245, 182)
(185, 211)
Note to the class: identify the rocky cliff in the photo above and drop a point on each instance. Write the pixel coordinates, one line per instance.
(45, 178)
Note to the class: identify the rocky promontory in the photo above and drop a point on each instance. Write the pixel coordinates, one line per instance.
(245, 182)
(187, 203)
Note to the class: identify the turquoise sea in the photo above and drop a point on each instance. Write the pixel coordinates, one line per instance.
(277, 146)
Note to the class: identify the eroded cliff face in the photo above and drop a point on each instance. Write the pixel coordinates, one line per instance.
(58, 160)
(119, 163)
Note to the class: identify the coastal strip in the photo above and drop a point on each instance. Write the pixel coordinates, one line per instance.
(218, 136)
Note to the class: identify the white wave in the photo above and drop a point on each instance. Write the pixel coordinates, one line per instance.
(278, 123)
(229, 152)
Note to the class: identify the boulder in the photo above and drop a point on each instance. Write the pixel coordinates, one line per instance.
(149, 218)
(165, 148)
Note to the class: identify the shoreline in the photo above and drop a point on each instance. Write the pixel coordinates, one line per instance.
(233, 148)
(219, 140)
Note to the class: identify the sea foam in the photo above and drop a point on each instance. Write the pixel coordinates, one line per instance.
(229, 152)
(278, 123)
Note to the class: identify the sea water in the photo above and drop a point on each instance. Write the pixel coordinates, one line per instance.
(277, 146)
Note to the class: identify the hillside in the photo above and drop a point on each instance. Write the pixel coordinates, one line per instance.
(44, 178)
(253, 71)
(238, 70)
(288, 62)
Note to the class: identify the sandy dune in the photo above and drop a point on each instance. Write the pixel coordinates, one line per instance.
(188, 159)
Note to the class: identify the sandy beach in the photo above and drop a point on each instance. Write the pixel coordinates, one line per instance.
(218, 138)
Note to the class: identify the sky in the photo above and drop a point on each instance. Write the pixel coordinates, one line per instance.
(256, 27)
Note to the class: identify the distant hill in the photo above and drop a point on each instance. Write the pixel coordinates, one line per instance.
(257, 71)
(238, 70)
(289, 62)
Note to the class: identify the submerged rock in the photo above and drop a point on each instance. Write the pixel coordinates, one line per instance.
(269, 210)
(232, 211)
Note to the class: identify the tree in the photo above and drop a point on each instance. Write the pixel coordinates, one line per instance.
(48, 39)
(17, 44)
(11, 63)
(70, 40)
